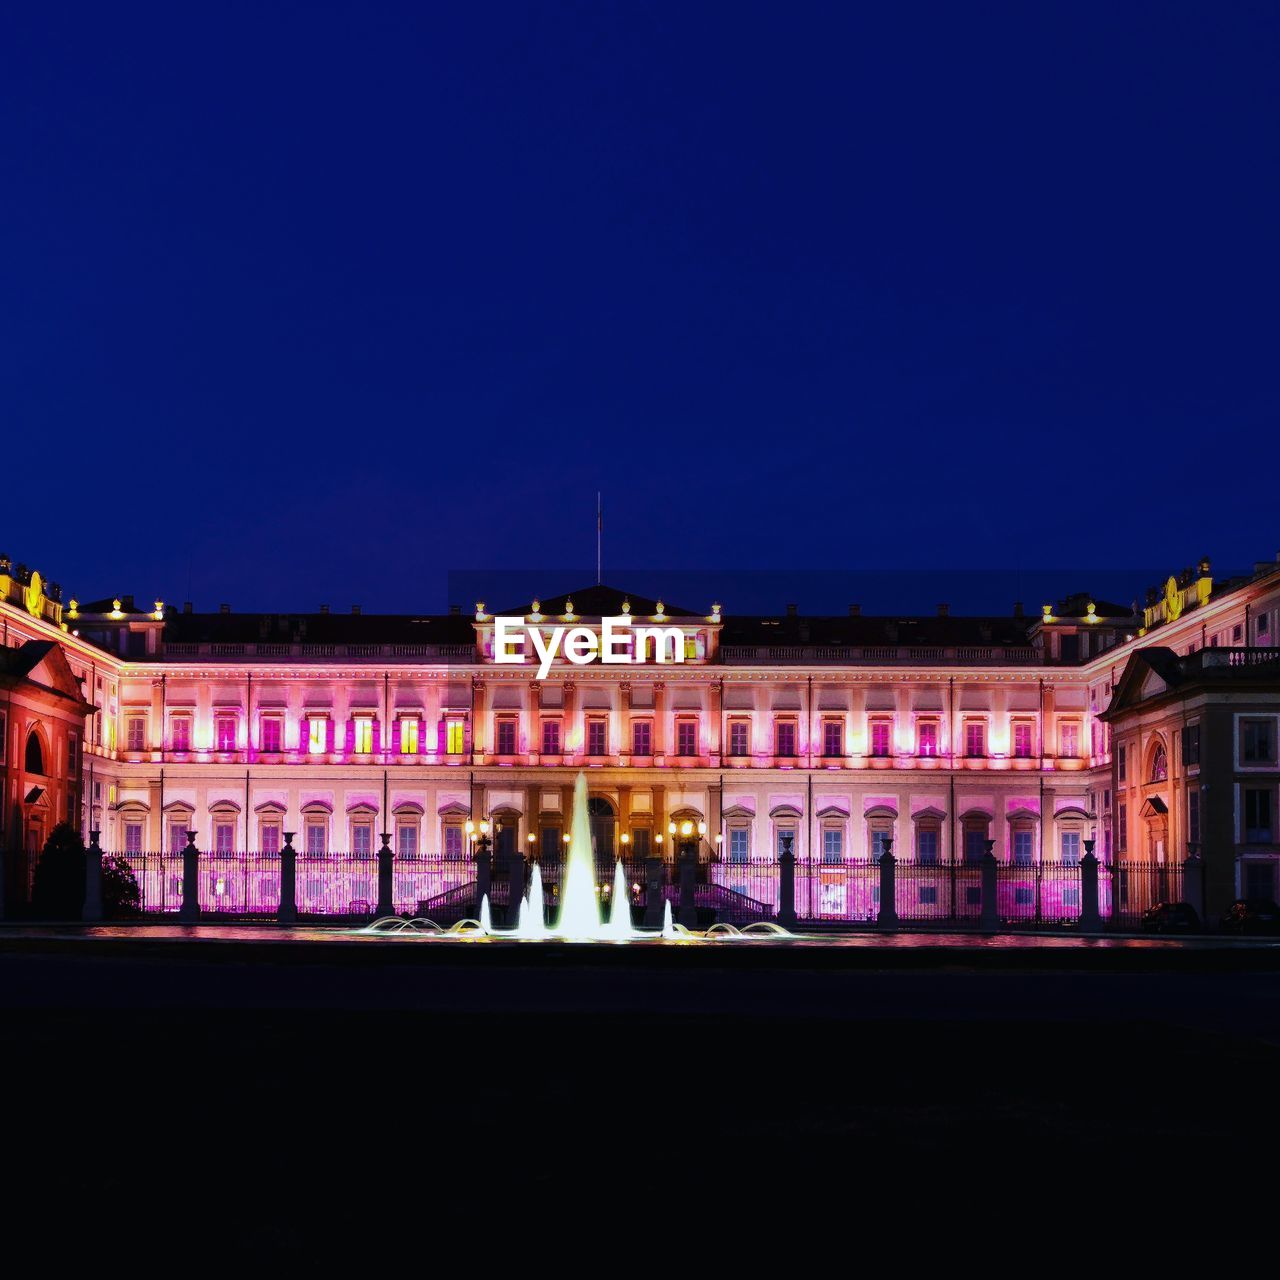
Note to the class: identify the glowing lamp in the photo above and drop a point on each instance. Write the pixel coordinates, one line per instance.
(702, 828)
(480, 613)
(531, 837)
(484, 826)
(686, 828)
(469, 827)
(566, 837)
(626, 838)
(75, 607)
(159, 613)
(115, 609)
(626, 606)
(671, 827)
(658, 838)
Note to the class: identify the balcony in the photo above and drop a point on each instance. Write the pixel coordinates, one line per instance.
(213, 651)
(878, 655)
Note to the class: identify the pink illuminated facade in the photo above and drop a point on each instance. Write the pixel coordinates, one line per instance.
(845, 735)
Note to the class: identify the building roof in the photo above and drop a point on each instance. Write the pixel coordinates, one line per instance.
(318, 628)
(599, 601)
(797, 629)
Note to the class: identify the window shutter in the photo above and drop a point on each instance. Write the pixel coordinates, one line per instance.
(377, 736)
(422, 733)
(466, 736)
(441, 737)
(328, 735)
(351, 735)
(396, 731)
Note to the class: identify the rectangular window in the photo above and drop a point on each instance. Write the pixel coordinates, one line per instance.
(785, 738)
(224, 733)
(362, 735)
(597, 736)
(975, 843)
(1257, 815)
(1260, 879)
(1122, 827)
(975, 738)
(739, 738)
(832, 738)
(1022, 741)
(1190, 746)
(1258, 743)
(272, 730)
(927, 845)
(927, 738)
(686, 737)
(180, 733)
(455, 736)
(738, 843)
(881, 839)
(832, 844)
(133, 837)
(641, 738)
(640, 842)
(73, 751)
(1193, 814)
(1071, 847)
(135, 733)
(1121, 763)
(317, 837)
(1023, 854)
(177, 836)
(1069, 740)
(506, 743)
(408, 735)
(551, 843)
(407, 840)
(551, 737)
(880, 730)
(224, 837)
(270, 837)
(317, 735)
(362, 839)
(453, 842)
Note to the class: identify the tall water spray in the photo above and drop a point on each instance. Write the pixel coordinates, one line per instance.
(579, 907)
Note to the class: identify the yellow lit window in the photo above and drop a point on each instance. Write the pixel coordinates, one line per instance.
(455, 738)
(317, 735)
(408, 737)
(363, 735)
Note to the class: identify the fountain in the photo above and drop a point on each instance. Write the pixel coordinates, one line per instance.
(579, 918)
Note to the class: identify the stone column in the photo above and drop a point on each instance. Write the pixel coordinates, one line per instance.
(1193, 880)
(189, 912)
(688, 913)
(659, 719)
(888, 917)
(92, 909)
(716, 713)
(653, 867)
(287, 912)
(787, 885)
(990, 889)
(1090, 918)
(478, 747)
(386, 878)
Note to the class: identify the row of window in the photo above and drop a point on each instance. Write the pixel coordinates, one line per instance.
(364, 736)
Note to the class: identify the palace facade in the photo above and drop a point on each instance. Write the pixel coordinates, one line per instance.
(1150, 728)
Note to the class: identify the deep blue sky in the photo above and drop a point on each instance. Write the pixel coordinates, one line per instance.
(308, 303)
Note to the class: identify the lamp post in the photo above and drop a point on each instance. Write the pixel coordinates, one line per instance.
(687, 859)
(480, 854)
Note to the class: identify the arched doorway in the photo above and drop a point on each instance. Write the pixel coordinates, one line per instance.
(604, 825)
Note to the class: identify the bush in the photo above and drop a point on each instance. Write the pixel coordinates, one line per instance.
(120, 894)
(57, 892)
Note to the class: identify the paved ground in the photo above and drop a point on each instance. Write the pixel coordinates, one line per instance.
(385, 1107)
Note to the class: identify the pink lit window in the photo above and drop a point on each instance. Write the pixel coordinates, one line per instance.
(686, 737)
(270, 837)
(785, 738)
(133, 837)
(272, 734)
(225, 733)
(975, 738)
(1069, 740)
(641, 738)
(832, 738)
(739, 738)
(928, 738)
(880, 737)
(317, 837)
(136, 733)
(1022, 741)
(362, 839)
(551, 737)
(596, 737)
(177, 836)
(506, 745)
(180, 733)
(224, 837)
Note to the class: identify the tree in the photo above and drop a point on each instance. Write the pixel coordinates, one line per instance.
(57, 891)
(120, 893)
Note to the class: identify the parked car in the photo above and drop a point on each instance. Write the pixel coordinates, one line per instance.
(1251, 915)
(1171, 917)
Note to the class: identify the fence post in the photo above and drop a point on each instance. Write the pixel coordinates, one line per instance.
(787, 885)
(990, 890)
(190, 909)
(92, 909)
(1193, 881)
(1090, 916)
(287, 912)
(888, 915)
(688, 913)
(653, 893)
(515, 887)
(386, 878)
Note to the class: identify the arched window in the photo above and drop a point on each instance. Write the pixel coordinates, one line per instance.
(35, 753)
(1159, 764)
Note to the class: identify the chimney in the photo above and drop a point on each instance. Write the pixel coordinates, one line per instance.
(944, 610)
(791, 611)
(224, 608)
(455, 609)
(128, 604)
(324, 608)
(855, 611)
(187, 606)
(1017, 608)
(355, 609)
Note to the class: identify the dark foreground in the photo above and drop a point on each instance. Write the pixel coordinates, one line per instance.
(170, 1107)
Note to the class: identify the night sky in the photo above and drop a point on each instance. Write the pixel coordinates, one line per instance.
(310, 302)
